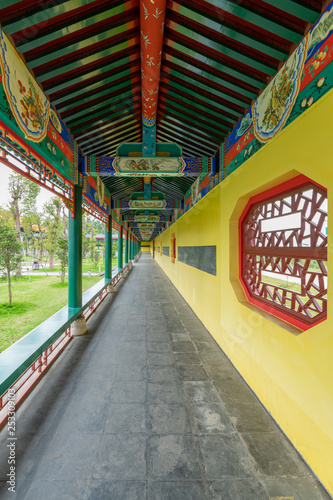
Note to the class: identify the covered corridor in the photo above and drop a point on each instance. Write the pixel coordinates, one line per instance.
(147, 406)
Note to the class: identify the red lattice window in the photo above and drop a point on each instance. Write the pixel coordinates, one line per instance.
(283, 238)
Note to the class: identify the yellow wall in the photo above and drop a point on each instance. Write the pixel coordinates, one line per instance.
(145, 246)
(291, 374)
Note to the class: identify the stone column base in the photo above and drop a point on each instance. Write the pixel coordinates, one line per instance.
(121, 274)
(110, 289)
(78, 327)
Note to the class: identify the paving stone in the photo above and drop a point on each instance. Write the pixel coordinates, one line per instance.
(165, 393)
(128, 392)
(272, 455)
(192, 372)
(238, 489)
(117, 490)
(177, 490)
(231, 390)
(167, 419)
(21, 488)
(181, 336)
(165, 373)
(214, 357)
(131, 372)
(187, 358)
(295, 488)
(54, 490)
(222, 371)
(207, 346)
(224, 456)
(199, 392)
(160, 358)
(211, 418)
(183, 346)
(125, 417)
(69, 456)
(121, 457)
(173, 456)
(250, 417)
(159, 347)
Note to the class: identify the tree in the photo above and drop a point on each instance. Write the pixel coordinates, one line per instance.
(10, 253)
(94, 254)
(53, 222)
(62, 255)
(23, 201)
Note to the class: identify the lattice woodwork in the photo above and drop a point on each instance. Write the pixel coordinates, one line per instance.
(297, 254)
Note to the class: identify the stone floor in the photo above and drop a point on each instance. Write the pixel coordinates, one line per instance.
(147, 406)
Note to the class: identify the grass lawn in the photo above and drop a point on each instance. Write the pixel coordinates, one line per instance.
(33, 302)
(86, 265)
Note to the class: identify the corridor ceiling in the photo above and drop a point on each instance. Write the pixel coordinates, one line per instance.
(216, 59)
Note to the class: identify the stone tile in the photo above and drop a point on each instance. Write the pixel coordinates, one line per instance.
(177, 490)
(125, 358)
(214, 357)
(250, 417)
(207, 346)
(231, 390)
(210, 418)
(69, 456)
(54, 490)
(201, 392)
(181, 336)
(295, 488)
(192, 372)
(125, 417)
(173, 456)
(128, 392)
(272, 454)
(183, 346)
(238, 489)
(187, 358)
(117, 490)
(159, 347)
(88, 418)
(160, 358)
(224, 455)
(121, 457)
(165, 373)
(131, 372)
(165, 393)
(21, 488)
(222, 371)
(167, 419)
(135, 336)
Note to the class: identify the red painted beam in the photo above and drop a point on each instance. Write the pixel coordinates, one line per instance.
(152, 15)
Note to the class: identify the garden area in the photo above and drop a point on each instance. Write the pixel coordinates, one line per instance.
(34, 259)
(33, 302)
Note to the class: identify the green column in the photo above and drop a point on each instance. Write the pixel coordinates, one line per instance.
(120, 248)
(108, 250)
(131, 247)
(126, 249)
(75, 252)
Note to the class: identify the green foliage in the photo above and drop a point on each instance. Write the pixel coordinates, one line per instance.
(54, 226)
(10, 253)
(94, 255)
(45, 296)
(62, 254)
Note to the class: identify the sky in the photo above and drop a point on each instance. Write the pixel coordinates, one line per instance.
(5, 172)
